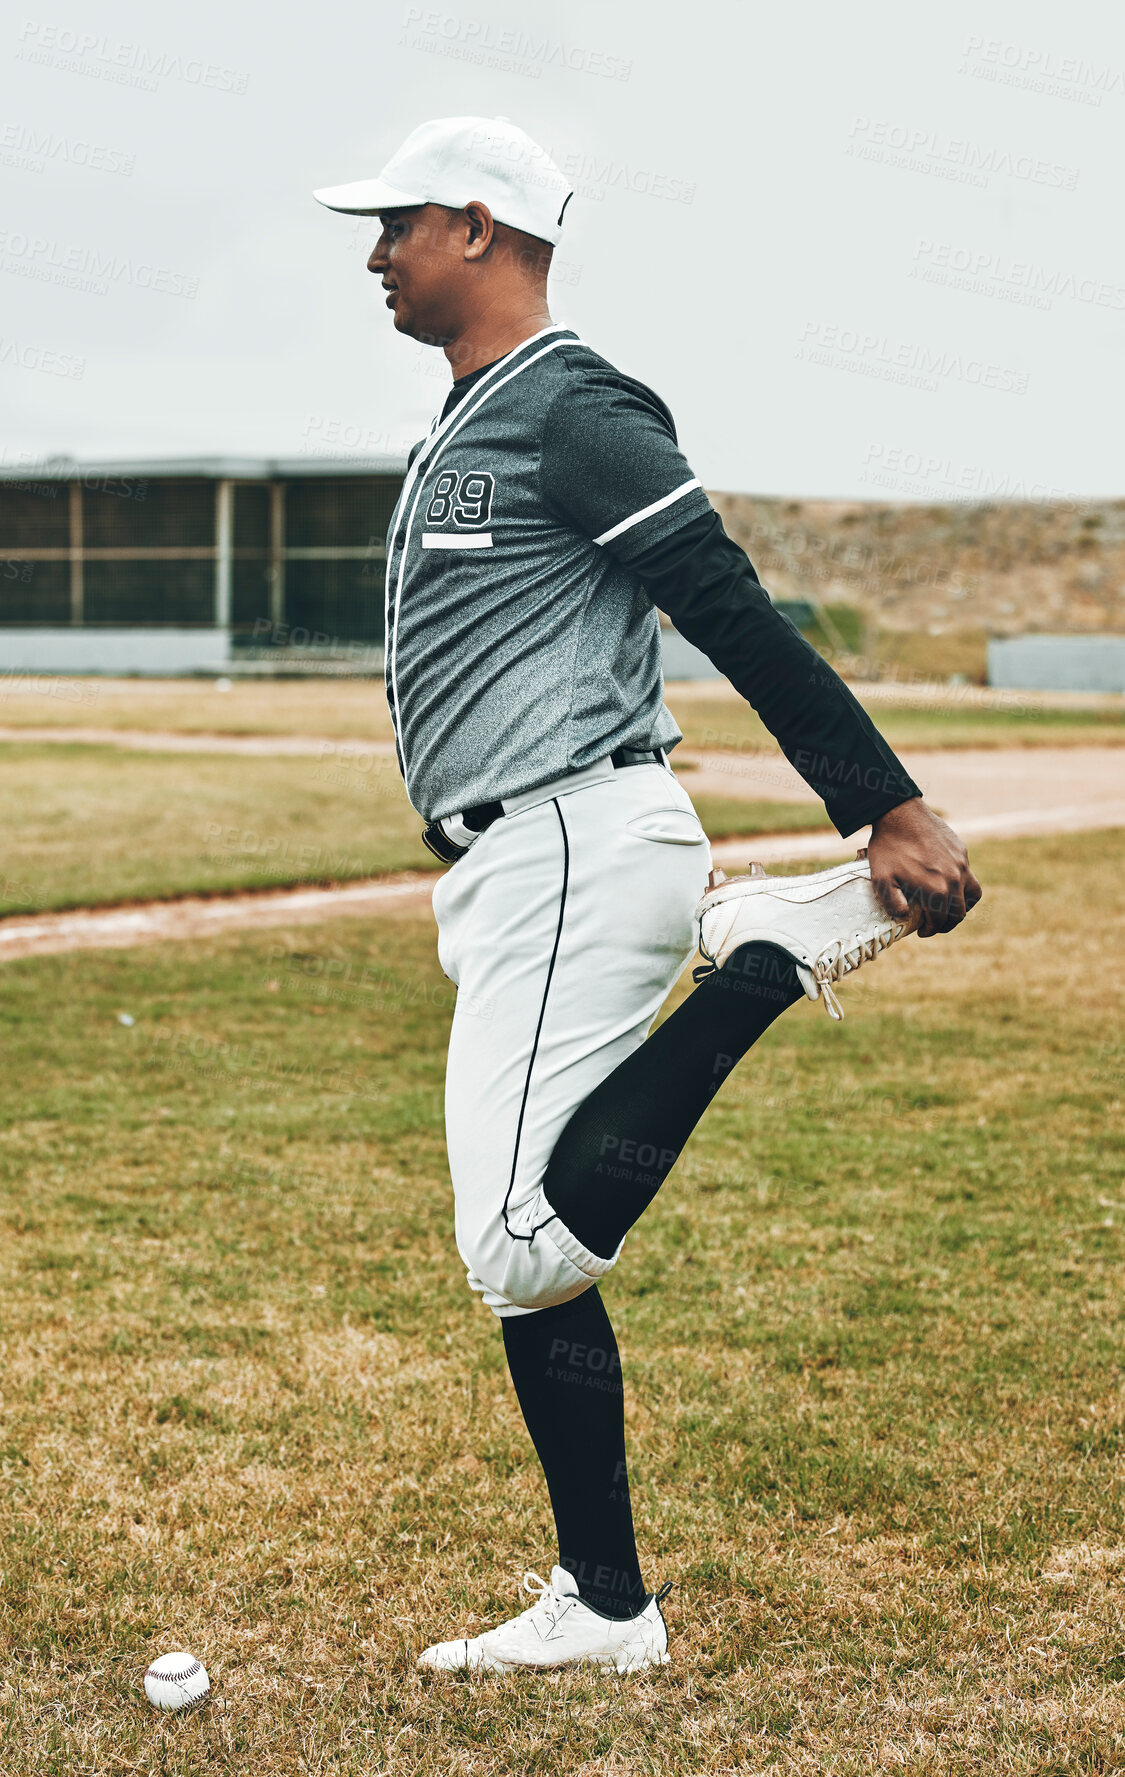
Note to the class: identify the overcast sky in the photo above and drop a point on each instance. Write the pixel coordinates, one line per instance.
(870, 251)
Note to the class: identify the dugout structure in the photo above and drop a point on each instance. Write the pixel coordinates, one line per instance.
(194, 565)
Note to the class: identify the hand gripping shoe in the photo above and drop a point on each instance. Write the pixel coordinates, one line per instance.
(831, 923)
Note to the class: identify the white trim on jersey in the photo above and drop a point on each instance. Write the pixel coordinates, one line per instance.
(430, 452)
(453, 540)
(646, 512)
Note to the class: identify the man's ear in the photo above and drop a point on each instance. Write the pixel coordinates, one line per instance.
(479, 230)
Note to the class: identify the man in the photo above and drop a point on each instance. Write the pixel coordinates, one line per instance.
(543, 522)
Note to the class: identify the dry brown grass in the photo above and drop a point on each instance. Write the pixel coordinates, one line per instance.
(348, 708)
(872, 1331)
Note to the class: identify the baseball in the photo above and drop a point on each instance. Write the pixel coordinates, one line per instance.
(176, 1681)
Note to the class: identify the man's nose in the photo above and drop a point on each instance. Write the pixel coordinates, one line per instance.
(378, 261)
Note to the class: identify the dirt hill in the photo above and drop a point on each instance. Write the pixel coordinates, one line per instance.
(1001, 568)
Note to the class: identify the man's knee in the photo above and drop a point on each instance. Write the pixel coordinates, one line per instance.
(522, 1310)
(521, 1273)
(514, 1288)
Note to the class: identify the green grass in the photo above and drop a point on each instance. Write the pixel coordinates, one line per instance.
(721, 721)
(959, 724)
(836, 628)
(872, 1331)
(728, 817)
(89, 825)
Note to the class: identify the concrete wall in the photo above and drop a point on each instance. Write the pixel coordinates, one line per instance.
(1058, 663)
(683, 661)
(159, 651)
(163, 650)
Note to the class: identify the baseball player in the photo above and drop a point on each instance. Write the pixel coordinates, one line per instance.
(543, 522)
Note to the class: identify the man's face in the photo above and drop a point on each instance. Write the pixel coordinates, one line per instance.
(421, 264)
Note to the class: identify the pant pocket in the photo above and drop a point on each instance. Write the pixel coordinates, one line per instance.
(445, 930)
(668, 826)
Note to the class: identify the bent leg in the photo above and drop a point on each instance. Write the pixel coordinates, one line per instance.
(564, 926)
(622, 1142)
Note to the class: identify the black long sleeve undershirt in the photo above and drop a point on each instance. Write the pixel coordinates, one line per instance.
(708, 587)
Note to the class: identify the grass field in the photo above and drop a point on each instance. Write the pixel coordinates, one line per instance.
(354, 709)
(726, 722)
(872, 1331)
(94, 824)
(351, 709)
(90, 825)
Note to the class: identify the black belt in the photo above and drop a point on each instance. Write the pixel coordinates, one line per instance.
(482, 816)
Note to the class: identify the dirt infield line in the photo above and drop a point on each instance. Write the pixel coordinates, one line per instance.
(152, 922)
(1016, 824)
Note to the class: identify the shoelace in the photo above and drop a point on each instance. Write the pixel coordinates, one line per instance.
(545, 1598)
(837, 961)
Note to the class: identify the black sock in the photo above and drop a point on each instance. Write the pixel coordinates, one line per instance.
(567, 1375)
(623, 1140)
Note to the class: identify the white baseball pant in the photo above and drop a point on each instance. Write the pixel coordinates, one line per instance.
(564, 926)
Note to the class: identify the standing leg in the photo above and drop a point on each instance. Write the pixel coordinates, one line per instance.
(567, 1376)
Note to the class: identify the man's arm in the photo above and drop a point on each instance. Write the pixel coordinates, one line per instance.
(708, 586)
(610, 467)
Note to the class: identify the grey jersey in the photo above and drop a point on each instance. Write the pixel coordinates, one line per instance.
(519, 645)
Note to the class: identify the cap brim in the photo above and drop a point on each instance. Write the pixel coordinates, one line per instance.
(366, 197)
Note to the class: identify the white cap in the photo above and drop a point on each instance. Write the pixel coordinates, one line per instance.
(458, 160)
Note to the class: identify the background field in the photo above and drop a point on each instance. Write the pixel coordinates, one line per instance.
(356, 709)
(93, 825)
(872, 1331)
(719, 718)
(88, 823)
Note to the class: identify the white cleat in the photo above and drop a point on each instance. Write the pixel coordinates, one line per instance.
(558, 1630)
(831, 923)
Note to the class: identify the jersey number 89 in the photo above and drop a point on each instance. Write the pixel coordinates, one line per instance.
(467, 497)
